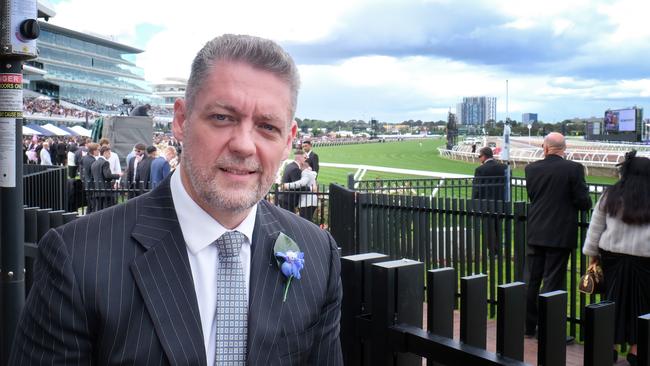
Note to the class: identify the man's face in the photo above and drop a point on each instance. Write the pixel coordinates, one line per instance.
(139, 152)
(299, 158)
(306, 147)
(234, 137)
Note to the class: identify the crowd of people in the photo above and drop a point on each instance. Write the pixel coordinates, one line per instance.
(88, 108)
(50, 108)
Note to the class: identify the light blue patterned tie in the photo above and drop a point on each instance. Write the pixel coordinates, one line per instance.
(232, 302)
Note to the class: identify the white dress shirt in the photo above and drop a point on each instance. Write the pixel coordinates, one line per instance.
(200, 231)
(114, 161)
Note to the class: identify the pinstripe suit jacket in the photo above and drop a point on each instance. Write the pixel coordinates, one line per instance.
(115, 287)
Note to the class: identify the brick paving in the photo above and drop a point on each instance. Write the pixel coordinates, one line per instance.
(574, 352)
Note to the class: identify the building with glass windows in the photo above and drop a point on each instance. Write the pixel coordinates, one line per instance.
(529, 118)
(85, 69)
(170, 89)
(477, 110)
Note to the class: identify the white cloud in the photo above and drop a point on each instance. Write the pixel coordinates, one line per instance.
(389, 87)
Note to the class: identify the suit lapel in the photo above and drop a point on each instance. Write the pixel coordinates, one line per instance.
(266, 288)
(164, 278)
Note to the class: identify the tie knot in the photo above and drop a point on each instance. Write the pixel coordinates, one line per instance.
(230, 243)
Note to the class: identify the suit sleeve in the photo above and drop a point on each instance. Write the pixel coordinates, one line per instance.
(476, 183)
(106, 171)
(315, 166)
(327, 346)
(580, 191)
(53, 328)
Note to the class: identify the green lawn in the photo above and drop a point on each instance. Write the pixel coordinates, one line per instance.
(418, 155)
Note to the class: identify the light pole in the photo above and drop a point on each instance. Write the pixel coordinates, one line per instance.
(529, 127)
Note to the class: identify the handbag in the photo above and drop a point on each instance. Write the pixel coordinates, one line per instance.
(592, 282)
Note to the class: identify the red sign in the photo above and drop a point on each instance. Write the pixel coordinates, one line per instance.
(11, 78)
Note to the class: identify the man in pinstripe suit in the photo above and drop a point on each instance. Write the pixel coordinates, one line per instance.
(135, 284)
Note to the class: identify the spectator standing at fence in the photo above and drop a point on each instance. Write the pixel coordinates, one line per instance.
(46, 157)
(489, 184)
(292, 172)
(143, 172)
(113, 159)
(87, 161)
(557, 192)
(185, 275)
(160, 168)
(310, 156)
(308, 201)
(619, 239)
(103, 179)
(72, 164)
(132, 165)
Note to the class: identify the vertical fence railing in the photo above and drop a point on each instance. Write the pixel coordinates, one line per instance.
(473, 236)
(45, 186)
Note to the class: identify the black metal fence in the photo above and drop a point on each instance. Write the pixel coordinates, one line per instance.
(473, 236)
(45, 186)
(382, 319)
(99, 195)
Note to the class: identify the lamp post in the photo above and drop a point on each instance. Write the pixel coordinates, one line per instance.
(529, 127)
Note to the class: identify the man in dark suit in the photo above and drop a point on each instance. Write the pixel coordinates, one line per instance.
(557, 192)
(143, 172)
(87, 176)
(132, 167)
(139, 283)
(489, 184)
(103, 179)
(310, 155)
(489, 177)
(291, 197)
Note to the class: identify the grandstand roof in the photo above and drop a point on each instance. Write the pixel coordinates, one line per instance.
(44, 11)
(87, 37)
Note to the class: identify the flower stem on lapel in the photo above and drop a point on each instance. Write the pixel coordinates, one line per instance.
(289, 258)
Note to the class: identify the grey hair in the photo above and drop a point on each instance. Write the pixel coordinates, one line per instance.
(260, 53)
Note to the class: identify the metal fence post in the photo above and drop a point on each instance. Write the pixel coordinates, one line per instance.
(42, 222)
(473, 310)
(511, 319)
(441, 300)
(397, 297)
(599, 337)
(643, 353)
(356, 279)
(551, 347)
(519, 253)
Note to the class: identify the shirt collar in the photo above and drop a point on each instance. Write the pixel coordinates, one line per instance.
(198, 227)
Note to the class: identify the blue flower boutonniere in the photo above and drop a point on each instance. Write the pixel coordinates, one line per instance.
(289, 258)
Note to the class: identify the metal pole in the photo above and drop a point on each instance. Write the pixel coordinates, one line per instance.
(12, 224)
(17, 43)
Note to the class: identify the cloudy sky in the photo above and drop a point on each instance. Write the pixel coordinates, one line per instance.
(407, 59)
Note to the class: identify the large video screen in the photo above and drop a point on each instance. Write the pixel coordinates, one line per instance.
(622, 120)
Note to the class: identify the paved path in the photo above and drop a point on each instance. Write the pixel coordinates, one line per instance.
(574, 352)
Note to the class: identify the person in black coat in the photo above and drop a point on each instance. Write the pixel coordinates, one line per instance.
(61, 151)
(310, 156)
(292, 172)
(87, 175)
(103, 179)
(489, 177)
(143, 172)
(489, 184)
(557, 192)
